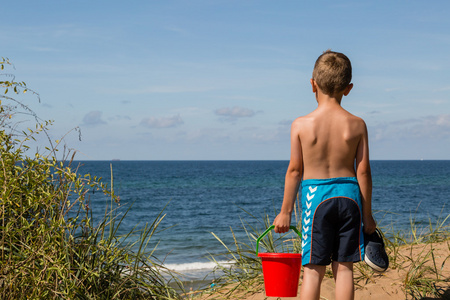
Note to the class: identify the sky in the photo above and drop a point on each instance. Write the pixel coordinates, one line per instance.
(224, 79)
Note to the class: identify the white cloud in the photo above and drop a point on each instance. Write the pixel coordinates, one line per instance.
(231, 114)
(285, 123)
(93, 118)
(176, 29)
(443, 120)
(163, 122)
(423, 128)
(119, 118)
(44, 49)
(442, 89)
(163, 89)
(388, 90)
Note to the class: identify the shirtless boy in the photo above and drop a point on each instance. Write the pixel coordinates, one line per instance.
(330, 157)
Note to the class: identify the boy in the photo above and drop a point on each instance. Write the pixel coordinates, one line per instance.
(327, 146)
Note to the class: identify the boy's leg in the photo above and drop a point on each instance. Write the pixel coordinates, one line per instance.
(343, 276)
(312, 278)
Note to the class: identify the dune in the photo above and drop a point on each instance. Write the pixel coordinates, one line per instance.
(419, 271)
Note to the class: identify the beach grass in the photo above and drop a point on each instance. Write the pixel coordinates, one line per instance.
(244, 274)
(422, 270)
(423, 276)
(51, 246)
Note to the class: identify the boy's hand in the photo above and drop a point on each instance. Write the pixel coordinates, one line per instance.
(282, 223)
(369, 224)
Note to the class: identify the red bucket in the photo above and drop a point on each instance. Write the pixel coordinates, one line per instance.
(281, 270)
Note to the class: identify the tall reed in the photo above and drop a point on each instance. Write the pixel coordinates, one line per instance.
(49, 245)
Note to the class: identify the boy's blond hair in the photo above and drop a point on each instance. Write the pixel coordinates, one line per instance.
(332, 72)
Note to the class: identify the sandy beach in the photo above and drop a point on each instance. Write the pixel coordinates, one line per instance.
(412, 268)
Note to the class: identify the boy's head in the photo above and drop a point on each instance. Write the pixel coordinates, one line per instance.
(332, 72)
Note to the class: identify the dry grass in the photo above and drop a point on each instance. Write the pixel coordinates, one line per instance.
(419, 266)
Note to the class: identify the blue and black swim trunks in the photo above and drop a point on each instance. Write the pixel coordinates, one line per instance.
(331, 221)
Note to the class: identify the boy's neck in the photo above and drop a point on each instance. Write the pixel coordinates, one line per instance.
(326, 100)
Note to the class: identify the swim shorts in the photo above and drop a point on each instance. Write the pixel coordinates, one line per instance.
(331, 221)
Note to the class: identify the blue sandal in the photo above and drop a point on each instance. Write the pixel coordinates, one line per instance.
(375, 252)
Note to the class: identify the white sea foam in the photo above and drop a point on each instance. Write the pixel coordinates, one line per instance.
(196, 266)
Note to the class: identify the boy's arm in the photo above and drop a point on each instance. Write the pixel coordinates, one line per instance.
(364, 177)
(292, 182)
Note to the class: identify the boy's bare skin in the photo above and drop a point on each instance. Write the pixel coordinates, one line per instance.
(332, 140)
(326, 144)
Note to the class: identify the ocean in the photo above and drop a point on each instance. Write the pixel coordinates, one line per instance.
(205, 197)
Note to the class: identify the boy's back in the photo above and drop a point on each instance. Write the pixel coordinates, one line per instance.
(329, 138)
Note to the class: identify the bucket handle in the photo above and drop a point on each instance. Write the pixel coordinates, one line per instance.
(269, 229)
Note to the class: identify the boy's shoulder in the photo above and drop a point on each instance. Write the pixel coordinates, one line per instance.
(354, 119)
(316, 117)
(302, 121)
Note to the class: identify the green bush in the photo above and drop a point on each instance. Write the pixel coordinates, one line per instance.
(49, 247)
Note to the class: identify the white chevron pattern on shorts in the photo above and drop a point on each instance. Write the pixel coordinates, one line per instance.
(307, 219)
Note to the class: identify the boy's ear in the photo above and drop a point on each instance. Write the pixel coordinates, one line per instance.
(314, 85)
(348, 89)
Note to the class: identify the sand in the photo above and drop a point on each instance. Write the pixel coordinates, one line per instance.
(412, 268)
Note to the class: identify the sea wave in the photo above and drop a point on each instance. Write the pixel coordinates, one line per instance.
(196, 266)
